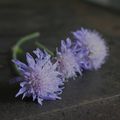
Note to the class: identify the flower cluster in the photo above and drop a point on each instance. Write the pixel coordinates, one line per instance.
(43, 78)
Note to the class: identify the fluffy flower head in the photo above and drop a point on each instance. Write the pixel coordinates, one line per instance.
(95, 44)
(67, 64)
(39, 78)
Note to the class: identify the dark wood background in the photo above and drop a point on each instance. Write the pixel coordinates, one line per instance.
(95, 96)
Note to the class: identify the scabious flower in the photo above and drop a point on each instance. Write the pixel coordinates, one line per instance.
(97, 50)
(40, 79)
(66, 59)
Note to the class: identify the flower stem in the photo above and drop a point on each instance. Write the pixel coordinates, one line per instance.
(16, 48)
(45, 48)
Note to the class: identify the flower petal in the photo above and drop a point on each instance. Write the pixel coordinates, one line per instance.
(30, 60)
(21, 91)
(40, 101)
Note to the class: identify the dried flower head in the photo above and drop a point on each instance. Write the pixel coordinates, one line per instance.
(39, 78)
(95, 45)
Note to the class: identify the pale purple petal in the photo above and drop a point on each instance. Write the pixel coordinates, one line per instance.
(21, 91)
(30, 60)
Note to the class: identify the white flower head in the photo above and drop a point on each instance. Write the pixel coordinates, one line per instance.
(67, 63)
(95, 44)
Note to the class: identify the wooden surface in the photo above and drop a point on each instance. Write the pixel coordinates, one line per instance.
(95, 96)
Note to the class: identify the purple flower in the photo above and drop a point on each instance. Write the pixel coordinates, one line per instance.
(94, 45)
(40, 79)
(67, 63)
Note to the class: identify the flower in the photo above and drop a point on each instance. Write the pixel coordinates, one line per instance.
(97, 49)
(66, 59)
(40, 79)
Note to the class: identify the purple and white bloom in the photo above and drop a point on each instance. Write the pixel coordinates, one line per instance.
(40, 79)
(95, 44)
(67, 64)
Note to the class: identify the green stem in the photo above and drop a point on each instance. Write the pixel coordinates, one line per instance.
(16, 48)
(45, 48)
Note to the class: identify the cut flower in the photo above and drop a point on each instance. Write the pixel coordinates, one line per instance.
(67, 62)
(40, 79)
(95, 44)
